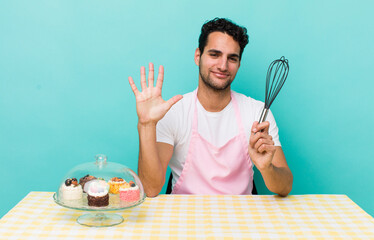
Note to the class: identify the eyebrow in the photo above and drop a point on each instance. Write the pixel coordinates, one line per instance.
(217, 51)
(214, 51)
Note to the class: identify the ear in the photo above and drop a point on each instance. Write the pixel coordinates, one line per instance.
(197, 56)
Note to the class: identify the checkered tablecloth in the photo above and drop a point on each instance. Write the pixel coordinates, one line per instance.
(37, 216)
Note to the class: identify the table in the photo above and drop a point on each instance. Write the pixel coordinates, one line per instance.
(37, 216)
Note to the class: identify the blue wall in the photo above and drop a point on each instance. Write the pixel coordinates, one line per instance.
(64, 94)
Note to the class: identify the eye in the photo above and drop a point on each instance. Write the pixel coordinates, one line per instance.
(233, 59)
(213, 54)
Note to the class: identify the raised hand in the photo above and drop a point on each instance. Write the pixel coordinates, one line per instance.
(150, 106)
(261, 145)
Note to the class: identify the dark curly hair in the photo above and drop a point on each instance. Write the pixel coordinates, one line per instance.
(223, 25)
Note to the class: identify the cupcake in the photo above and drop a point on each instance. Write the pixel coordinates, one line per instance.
(129, 194)
(116, 183)
(97, 193)
(85, 179)
(71, 190)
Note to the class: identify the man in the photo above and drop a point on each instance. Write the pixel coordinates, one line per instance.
(211, 137)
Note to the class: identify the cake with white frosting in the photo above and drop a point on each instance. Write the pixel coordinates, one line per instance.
(85, 179)
(97, 193)
(71, 190)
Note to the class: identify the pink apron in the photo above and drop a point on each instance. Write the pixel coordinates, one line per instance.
(216, 170)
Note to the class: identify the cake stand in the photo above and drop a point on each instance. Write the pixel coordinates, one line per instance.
(109, 173)
(98, 217)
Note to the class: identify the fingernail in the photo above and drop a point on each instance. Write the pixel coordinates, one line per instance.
(255, 129)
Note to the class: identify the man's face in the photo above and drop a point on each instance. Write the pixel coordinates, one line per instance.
(219, 62)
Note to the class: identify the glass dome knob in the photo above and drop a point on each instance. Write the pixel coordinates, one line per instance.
(101, 160)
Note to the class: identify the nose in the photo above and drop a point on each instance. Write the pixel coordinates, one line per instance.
(222, 65)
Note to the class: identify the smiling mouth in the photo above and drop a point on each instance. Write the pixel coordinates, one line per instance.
(220, 74)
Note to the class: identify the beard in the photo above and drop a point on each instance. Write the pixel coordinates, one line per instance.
(211, 84)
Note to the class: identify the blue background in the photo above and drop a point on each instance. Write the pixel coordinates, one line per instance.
(64, 94)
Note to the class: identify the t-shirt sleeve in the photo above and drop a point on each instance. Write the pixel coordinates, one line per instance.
(273, 129)
(164, 128)
(254, 112)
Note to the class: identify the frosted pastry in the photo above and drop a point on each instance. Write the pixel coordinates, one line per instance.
(71, 190)
(97, 193)
(130, 194)
(116, 183)
(85, 179)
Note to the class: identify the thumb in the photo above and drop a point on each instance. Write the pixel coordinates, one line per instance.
(254, 127)
(172, 101)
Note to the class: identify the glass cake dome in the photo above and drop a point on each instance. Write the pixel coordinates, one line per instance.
(100, 186)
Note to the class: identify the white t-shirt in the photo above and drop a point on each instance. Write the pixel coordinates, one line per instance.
(216, 127)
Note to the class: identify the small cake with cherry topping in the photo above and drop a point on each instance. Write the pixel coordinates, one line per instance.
(71, 190)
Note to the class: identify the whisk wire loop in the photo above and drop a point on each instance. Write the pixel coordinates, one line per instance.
(275, 78)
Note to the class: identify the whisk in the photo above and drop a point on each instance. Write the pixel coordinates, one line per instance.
(275, 78)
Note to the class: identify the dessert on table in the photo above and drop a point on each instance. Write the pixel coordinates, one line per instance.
(116, 183)
(83, 180)
(102, 185)
(130, 194)
(97, 193)
(71, 190)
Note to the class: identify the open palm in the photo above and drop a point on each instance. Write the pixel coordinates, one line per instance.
(150, 106)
